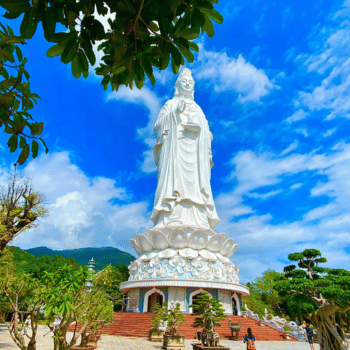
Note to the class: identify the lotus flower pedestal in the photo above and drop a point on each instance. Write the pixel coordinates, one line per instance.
(176, 263)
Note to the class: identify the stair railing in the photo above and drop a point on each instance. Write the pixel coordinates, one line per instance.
(278, 323)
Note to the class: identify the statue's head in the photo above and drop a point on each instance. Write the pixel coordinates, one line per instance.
(185, 84)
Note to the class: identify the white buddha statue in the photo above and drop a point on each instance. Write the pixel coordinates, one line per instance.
(184, 160)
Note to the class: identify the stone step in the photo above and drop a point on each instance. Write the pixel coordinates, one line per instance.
(138, 325)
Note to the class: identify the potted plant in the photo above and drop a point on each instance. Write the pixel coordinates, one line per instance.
(286, 328)
(175, 318)
(155, 334)
(210, 313)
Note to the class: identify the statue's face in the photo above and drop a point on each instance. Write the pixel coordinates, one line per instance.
(186, 84)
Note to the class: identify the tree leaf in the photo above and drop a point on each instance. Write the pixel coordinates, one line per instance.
(15, 6)
(75, 67)
(43, 142)
(72, 16)
(208, 27)
(36, 128)
(83, 63)
(55, 50)
(119, 70)
(165, 56)
(193, 46)
(186, 52)
(22, 142)
(6, 56)
(6, 84)
(24, 155)
(6, 100)
(190, 33)
(19, 53)
(148, 69)
(174, 66)
(12, 15)
(35, 148)
(29, 23)
(49, 22)
(11, 39)
(214, 15)
(70, 51)
(86, 44)
(13, 143)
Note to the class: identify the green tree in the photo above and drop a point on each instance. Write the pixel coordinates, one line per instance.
(263, 295)
(143, 34)
(109, 279)
(68, 299)
(158, 314)
(174, 318)
(35, 266)
(20, 207)
(16, 99)
(211, 312)
(21, 295)
(319, 294)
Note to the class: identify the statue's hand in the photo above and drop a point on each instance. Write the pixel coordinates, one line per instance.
(191, 127)
(181, 105)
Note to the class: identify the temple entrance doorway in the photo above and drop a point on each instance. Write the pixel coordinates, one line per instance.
(234, 307)
(154, 299)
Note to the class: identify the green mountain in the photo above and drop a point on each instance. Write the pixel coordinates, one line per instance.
(102, 256)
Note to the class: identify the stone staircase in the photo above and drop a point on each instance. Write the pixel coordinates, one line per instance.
(138, 325)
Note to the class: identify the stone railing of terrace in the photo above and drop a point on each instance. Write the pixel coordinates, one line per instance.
(278, 323)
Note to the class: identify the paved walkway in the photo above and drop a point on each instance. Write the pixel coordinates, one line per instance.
(109, 342)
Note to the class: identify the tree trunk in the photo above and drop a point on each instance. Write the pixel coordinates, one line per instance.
(328, 336)
(3, 244)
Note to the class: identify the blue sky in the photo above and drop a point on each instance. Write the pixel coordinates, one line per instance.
(274, 84)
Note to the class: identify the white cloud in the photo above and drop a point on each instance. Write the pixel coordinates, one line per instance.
(330, 132)
(232, 74)
(290, 148)
(296, 186)
(302, 131)
(264, 195)
(329, 59)
(320, 212)
(296, 116)
(261, 241)
(83, 210)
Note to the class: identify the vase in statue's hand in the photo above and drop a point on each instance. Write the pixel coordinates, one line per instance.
(191, 127)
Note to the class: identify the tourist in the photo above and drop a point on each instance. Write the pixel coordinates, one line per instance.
(235, 310)
(309, 335)
(250, 340)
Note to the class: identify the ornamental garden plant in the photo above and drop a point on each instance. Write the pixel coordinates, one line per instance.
(210, 313)
(319, 294)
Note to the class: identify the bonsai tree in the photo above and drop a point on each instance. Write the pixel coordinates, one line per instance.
(211, 312)
(175, 319)
(159, 313)
(317, 293)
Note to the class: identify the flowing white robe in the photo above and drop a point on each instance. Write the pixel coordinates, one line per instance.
(184, 164)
